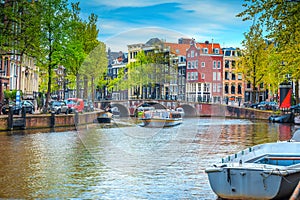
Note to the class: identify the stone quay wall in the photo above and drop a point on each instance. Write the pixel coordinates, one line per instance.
(40, 121)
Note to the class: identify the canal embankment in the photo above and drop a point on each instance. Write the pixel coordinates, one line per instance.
(44, 121)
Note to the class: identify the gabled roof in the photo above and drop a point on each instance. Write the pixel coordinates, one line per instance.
(177, 49)
(209, 46)
(180, 49)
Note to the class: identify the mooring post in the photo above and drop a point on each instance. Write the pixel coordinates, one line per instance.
(76, 118)
(10, 118)
(24, 117)
(52, 119)
(296, 193)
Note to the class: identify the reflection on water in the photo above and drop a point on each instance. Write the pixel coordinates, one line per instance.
(128, 162)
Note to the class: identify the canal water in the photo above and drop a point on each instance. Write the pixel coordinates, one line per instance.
(124, 160)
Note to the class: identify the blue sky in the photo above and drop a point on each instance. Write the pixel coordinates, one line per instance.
(123, 22)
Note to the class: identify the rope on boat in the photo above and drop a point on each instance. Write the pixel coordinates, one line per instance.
(296, 193)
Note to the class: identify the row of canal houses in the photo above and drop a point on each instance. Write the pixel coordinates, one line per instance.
(204, 72)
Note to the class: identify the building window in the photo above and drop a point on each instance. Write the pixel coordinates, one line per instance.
(203, 76)
(205, 50)
(202, 64)
(248, 85)
(233, 64)
(192, 54)
(239, 89)
(226, 88)
(189, 65)
(188, 76)
(219, 76)
(232, 89)
(226, 75)
(216, 51)
(214, 87)
(219, 87)
(189, 55)
(219, 64)
(214, 64)
(240, 77)
(196, 64)
(233, 76)
(261, 85)
(226, 63)
(214, 76)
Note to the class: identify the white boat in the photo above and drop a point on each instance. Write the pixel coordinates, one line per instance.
(266, 171)
(160, 118)
(297, 119)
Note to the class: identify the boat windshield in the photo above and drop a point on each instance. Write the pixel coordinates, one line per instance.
(280, 160)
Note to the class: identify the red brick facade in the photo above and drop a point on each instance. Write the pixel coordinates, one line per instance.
(204, 72)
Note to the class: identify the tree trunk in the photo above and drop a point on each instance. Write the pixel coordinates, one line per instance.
(297, 91)
(85, 90)
(78, 85)
(92, 89)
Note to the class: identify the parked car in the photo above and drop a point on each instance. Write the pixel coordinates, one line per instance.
(266, 105)
(58, 107)
(17, 109)
(295, 108)
(75, 104)
(253, 105)
(262, 105)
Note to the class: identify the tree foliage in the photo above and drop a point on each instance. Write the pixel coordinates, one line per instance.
(281, 20)
(54, 22)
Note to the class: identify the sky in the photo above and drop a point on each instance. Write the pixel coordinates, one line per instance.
(124, 22)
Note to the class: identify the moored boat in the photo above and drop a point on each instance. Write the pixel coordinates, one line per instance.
(160, 118)
(287, 118)
(266, 171)
(297, 119)
(105, 117)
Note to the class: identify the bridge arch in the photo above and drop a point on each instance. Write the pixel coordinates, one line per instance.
(124, 112)
(189, 110)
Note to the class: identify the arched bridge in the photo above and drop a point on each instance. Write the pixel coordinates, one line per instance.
(191, 109)
(129, 107)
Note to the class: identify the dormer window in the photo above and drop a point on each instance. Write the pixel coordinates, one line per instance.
(205, 50)
(216, 51)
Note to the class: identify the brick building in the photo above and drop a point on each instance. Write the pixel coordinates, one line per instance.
(204, 72)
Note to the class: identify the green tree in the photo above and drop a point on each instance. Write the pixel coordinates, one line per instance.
(19, 32)
(82, 41)
(54, 23)
(281, 20)
(253, 62)
(95, 65)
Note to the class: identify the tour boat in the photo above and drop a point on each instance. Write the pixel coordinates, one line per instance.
(265, 171)
(160, 118)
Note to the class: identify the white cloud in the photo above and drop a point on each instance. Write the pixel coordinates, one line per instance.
(130, 3)
(200, 19)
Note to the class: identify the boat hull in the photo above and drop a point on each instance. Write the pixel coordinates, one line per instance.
(243, 183)
(161, 122)
(288, 118)
(265, 171)
(105, 118)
